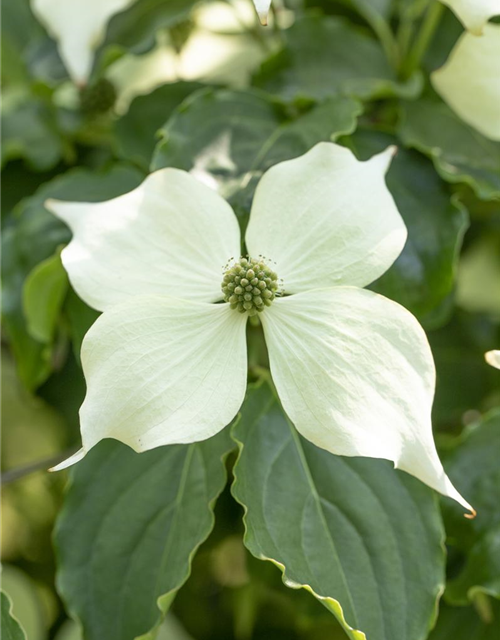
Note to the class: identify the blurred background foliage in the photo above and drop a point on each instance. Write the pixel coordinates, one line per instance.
(201, 86)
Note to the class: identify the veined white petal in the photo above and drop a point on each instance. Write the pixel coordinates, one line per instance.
(162, 371)
(170, 236)
(474, 14)
(355, 374)
(326, 219)
(262, 8)
(493, 358)
(79, 27)
(469, 81)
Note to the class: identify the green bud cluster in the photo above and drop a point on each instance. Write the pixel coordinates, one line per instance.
(97, 98)
(249, 285)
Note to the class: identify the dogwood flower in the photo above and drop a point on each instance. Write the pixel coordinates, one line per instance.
(166, 362)
(79, 27)
(493, 358)
(469, 81)
(474, 14)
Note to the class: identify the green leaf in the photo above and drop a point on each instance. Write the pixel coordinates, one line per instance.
(27, 605)
(32, 236)
(363, 538)
(459, 153)
(324, 57)
(135, 28)
(218, 133)
(29, 132)
(473, 465)
(223, 135)
(464, 380)
(43, 295)
(129, 529)
(17, 185)
(136, 130)
(424, 273)
(480, 573)
(328, 121)
(465, 624)
(32, 358)
(11, 629)
(20, 31)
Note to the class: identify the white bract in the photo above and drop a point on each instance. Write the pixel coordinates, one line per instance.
(493, 358)
(469, 81)
(79, 27)
(262, 7)
(166, 362)
(474, 14)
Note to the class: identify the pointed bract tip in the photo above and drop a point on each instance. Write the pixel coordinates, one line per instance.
(263, 19)
(471, 515)
(76, 457)
(384, 158)
(51, 205)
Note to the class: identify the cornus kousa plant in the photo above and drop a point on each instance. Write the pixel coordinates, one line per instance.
(166, 362)
(250, 316)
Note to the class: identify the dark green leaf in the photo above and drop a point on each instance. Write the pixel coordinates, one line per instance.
(473, 465)
(223, 135)
(217, 133)
(481, 571)
(29, 132)
(464, 380)
(135, 28)
(459, 153)
(11, 629)
(129, 529)
(424, 273)
(465, 624)
(326, 122)
(324, 57)
(136, 130)
(362, 537)
(17, 184)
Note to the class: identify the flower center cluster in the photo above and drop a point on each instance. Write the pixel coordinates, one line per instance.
(249, 285)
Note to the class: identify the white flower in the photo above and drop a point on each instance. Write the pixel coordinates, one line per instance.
(165, 364)
(79, 27)
(493, 358)
(474, 14)
(469, 81)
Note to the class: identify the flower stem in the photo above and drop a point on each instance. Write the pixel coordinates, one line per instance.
(423, 39)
